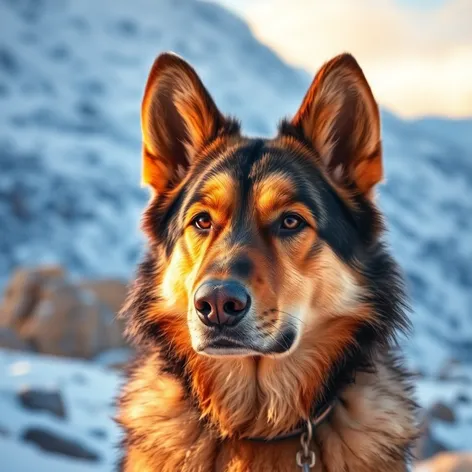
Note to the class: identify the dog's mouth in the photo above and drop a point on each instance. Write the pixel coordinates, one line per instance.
(221, 345)
(225, 346)
(225, 343)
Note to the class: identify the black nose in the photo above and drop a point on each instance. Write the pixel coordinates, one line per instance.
(221, 303)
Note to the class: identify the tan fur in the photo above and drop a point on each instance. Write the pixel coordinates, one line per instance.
(372, 418)
(185, 409)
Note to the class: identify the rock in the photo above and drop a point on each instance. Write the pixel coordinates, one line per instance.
(9, 339)
(427, 446)
(36, 399)
(70, 321)
(54, 315)
(22, 293)
(442, 412)
(62, 324)
(446, 462)
(53, 442)
(110, 292)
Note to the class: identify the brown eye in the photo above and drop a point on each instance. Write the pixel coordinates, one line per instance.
(202, 221)
(291, 222)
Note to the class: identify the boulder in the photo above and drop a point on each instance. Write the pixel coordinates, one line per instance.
(65, 322)
(110, 292)
(43, 400)
(22, 293)
(53, 442)
(46, 311)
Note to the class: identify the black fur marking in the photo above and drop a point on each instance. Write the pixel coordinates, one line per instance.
(242, 267)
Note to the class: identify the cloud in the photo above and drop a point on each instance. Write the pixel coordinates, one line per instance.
(418, 60)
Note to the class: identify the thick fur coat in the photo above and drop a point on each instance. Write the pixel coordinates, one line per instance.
(304, 303)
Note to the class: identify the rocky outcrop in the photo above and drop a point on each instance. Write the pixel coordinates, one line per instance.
(44, 310)
(23, 293)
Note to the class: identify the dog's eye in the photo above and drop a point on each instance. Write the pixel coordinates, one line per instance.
(291, 222)
(202, 221)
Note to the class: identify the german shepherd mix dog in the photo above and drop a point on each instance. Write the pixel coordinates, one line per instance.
(267, 306)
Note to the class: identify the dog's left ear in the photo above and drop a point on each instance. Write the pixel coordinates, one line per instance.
(340, 118)
(178, 118)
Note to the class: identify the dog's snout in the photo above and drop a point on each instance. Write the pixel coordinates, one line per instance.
(221, 303)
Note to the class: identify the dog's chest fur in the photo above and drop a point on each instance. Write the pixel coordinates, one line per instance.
(371, 428)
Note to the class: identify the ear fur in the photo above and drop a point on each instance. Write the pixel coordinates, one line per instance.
(340, 118)
(178, 118)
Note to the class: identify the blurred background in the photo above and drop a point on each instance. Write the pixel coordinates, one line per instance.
(71, 78)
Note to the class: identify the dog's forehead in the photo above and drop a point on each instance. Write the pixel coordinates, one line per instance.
(257, 163)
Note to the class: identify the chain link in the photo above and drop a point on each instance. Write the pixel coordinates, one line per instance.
(306, 458)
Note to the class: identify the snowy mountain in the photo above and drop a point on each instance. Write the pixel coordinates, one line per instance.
(71, 78)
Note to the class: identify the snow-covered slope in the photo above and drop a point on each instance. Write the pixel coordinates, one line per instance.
(87, 393)
(71, 78)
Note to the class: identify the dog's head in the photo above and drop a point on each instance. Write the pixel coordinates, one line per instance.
(263, 247)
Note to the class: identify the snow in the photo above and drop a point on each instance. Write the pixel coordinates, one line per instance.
(71, 79)
(88, 392)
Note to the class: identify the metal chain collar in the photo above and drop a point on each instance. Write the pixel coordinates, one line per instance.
(306, 458)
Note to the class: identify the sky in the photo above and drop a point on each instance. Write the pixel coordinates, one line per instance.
(416, 54)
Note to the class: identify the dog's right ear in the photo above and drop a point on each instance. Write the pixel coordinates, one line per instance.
(178, 118)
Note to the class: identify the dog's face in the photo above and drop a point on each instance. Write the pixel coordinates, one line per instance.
(260, 244)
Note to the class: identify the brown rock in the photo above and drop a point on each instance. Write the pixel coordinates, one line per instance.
(22, 293)
(70, 320)
(110, 292)
(64, 323)
(44, 310)
(446, 462)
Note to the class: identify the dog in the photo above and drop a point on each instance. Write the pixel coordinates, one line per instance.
(267, 309)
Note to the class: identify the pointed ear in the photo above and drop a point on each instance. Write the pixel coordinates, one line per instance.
(340, 118)
(178, 118)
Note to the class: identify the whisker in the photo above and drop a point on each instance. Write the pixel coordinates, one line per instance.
(289, 314)
(278, 330)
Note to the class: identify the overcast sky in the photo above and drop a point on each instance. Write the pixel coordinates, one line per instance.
(417, 54)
